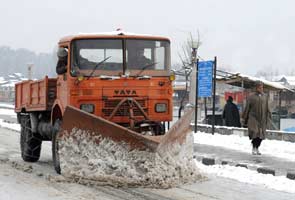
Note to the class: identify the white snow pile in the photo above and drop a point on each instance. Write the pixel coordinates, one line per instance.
(10, 126)
(280, 183)
(5, 111)
(276, 148)
(115, 164)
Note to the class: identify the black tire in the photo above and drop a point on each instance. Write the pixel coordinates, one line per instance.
(30, 143)
(158, 128)
(55, 154)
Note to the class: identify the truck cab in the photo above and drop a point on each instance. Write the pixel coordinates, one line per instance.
(117, 68)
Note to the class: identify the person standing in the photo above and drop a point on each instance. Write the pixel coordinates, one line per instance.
(231, 113)
(256, 117)
(61, 66)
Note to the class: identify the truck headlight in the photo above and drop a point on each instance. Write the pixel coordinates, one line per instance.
(87, 108)
(161, 107)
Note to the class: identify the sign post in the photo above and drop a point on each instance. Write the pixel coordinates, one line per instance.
(204, 83)
(205, 78)
(214, 96)
(196, 99)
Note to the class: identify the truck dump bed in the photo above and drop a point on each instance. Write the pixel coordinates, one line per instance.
(35, 95)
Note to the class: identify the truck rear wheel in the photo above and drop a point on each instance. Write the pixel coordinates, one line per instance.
(30, 143)
(55, 154)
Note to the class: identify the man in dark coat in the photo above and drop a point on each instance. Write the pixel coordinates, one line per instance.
(138, 60)
(61, 66)
(231, 113)
(256, 116)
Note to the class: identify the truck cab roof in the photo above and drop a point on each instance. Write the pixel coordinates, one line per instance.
(113, 34)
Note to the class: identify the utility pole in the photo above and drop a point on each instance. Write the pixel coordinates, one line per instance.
(30, 68)
(214, 94)
(192, 83)
(195, 81)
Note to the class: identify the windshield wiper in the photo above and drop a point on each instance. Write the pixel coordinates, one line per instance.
(144, 68)
(97, 65)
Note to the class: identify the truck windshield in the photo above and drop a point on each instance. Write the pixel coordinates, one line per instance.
(86, 54)
(147, 57)
(144, 57)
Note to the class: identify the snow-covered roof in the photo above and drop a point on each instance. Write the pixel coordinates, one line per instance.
(266, 82)
(9, 84)
(290, 79)
(2, 82)
(18, 75)
(11, 80)
(11, 76)
(248, 81)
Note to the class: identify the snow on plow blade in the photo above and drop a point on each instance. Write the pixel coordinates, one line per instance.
(95, 150)
(177, 133)
(98, 126)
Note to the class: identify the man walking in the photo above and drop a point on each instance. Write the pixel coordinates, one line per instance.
(256, 116)
(231, 113)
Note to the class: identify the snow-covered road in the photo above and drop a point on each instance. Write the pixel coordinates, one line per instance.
(20, 180)
(26, 181)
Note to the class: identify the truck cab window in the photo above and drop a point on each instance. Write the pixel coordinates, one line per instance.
(88, 53)
(150, 55)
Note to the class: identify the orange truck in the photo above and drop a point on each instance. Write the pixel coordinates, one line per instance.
(116, 84)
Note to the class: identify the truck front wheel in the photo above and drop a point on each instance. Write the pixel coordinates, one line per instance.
(30, 143)
(55, 154)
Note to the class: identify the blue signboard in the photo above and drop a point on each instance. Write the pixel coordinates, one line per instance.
(205, 72)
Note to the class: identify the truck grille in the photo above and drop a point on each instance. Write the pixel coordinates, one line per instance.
(110, 104)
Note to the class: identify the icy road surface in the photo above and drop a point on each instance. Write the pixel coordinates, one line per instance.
(20, 180)
(26, 181)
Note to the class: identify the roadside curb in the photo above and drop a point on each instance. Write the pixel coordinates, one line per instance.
(209, 161)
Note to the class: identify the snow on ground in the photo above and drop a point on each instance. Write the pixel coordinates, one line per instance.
(276, 148)
(6, 105)
(280, 183)
(38, 182)
(281, 149)
(4, 111)
(16, 184)
(11, 126)
(8, 112)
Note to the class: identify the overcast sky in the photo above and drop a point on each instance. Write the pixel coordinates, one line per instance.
(245, 35)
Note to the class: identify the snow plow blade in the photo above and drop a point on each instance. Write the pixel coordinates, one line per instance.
(177, 133)
(98, 126)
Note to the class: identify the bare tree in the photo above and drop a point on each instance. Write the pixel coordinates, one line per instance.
(268, 73)
(188, 57)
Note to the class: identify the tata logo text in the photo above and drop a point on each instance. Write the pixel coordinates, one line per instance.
(125, 92)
